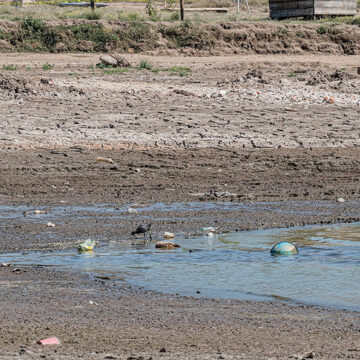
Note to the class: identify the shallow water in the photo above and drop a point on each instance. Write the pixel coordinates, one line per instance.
(238, 265)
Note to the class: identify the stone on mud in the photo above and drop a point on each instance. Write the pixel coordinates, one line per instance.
(166, 245)
(115, 60)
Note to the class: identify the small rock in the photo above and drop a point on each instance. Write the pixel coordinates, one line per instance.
(115, 60)
(5, 264)
(162, 350)
(103, 159)
(166, 245)
(110, 356)
(50, 224)
(131, 210)
(340, 200)
(39, 212)
(308, 355)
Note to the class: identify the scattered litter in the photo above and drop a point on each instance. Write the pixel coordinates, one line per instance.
(103, 159)
(137, 170)
(284, 248)
(168, 235)
(166, 245)
(49, 341)
(92, 303)
(37, 212)
(208, 230)
(87, 245)
(5, 265)
(210, 234)
(340, 200)
(50, 224)
(130, 210)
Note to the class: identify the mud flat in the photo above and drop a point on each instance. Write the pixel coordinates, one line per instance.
(242, 130)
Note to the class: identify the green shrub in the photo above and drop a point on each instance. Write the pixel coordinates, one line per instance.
(89, 15)
(94, 33)
(9, 67)
(116, 71)
(144, 64)
(36, 32)
(47, 66)
(321, 30)
(175, 16)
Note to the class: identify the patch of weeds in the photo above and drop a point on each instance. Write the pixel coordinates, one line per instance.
(91, 67)
(2, 35)
(155, 16)
(178, 70)
(144, 64)
(232, 18)
(155, 71)
(321, 30)
(47, 66)
(283, 30)
(36, 32)
(9, 67)
(175, 16)
(300, 34)
(342, 69)
(189, 35)
(90, 15)
(135, 34)
(97, 34)
(116, 71)
(356, 20)
(129, 16)
(292, 74)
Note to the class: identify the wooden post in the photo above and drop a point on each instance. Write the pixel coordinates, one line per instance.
(182, 10)
(92, 5)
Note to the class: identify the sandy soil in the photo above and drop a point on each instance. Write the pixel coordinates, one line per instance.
(241, 129)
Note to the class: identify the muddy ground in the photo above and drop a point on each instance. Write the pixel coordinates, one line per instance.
(284, 130)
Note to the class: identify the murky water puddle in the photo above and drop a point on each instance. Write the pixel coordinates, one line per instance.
(238, 265)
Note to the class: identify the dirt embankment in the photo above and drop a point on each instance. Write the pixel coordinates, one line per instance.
(171, 38)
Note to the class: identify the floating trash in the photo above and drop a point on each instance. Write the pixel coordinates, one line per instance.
(207, 230)
(50, 341)
(87, 245)
(104, 159)
(168, 235)
(131, 210)
(284, 248)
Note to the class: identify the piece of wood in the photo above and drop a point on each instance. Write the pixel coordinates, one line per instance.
(327, 11)
(292, 5)
(218, 10)
(182, 10)
(282, 14)
(346, 5)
